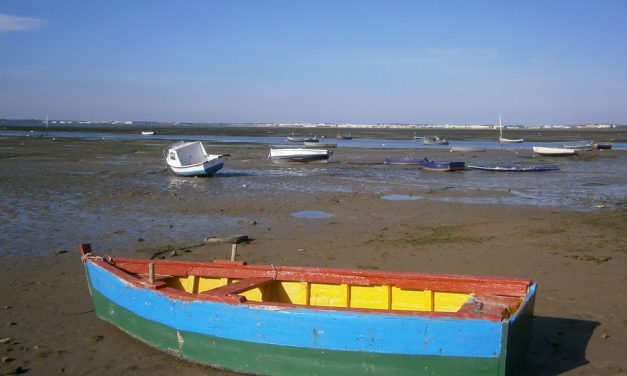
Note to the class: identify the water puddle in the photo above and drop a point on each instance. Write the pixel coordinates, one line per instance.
(311, 214)
(402, 197)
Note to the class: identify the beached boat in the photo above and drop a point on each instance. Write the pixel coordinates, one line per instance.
(319, 144)
(191, 159)
(515, 168)
(274, 320)
(402, 160)
(299, 140)
(467, 149)
(346, 136)
(553, 152)
(504, 140)
(432, 140)
(603, 145)
(303, 155)
(148, 133)
(435, 165)
(584, 146)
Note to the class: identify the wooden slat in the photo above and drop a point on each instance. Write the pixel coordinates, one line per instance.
(239, 286)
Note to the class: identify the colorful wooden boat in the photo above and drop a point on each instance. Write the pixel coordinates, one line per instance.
(271, 320)
(191, 159)
(516, 168)
(435, 165)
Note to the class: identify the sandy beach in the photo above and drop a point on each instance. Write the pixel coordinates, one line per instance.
(119, 196)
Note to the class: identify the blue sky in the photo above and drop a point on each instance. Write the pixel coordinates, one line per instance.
(536, 62)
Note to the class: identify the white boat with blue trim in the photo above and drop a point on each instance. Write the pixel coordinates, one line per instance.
(191, 159)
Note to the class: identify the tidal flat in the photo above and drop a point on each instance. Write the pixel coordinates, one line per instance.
(119, 196)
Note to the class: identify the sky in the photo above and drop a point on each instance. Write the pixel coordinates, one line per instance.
(324, 61)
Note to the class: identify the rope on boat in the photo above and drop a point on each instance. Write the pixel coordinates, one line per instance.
(273, 272)
(85, 256)
(106, 259)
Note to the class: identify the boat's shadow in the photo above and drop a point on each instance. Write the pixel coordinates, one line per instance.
(558, 345)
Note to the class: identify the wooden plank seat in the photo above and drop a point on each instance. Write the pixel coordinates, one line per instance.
(230, 292)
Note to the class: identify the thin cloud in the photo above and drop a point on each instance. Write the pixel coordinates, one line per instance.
(464, 53)
(9, 23)
(428, 56)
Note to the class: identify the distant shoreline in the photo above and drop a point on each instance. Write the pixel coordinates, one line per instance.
(618, 134)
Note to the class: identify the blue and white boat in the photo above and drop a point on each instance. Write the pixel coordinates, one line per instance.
(515, 168)
(435, 165)
(191, 159)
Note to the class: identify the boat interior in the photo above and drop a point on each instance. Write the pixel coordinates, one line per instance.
(235, 282)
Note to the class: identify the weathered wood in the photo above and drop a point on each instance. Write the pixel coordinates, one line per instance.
(239, 286)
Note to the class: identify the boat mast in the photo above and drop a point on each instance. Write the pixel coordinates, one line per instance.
(500, 128)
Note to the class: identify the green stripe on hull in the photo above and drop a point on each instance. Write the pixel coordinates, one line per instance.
(266, 359)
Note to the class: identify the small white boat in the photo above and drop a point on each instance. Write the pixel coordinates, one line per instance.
(467, 149)
(554, 152)
(587, 146)
(319, 145)
(282, 155)
(504, 140)
(191, 159)
(299, 140)
(148, 133)
(432, 140)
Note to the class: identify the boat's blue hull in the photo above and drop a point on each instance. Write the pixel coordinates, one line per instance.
(433, 165)
(292, 341)
(516, 168)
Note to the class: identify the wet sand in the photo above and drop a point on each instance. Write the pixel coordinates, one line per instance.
(578, 258)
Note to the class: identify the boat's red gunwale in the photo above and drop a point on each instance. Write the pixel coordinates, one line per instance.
(498, 295)
(488, 285)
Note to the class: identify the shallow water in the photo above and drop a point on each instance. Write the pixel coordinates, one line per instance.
(370, 143)
(395, 197)
(59, 208)
(311, 214)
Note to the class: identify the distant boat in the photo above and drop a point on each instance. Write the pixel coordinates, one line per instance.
(580, 147)
(303, 155)
(319, 144)
(148, 133)
(435, 165)
(503, 140)
(522, 168)
(284, 320)
(299, 140)
(191, 159)
(344, 136)
(553, 152)
(432, 140)
(402, 160)
(467, 149)
(606, 145)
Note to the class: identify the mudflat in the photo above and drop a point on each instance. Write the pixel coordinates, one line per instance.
(119, 196)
